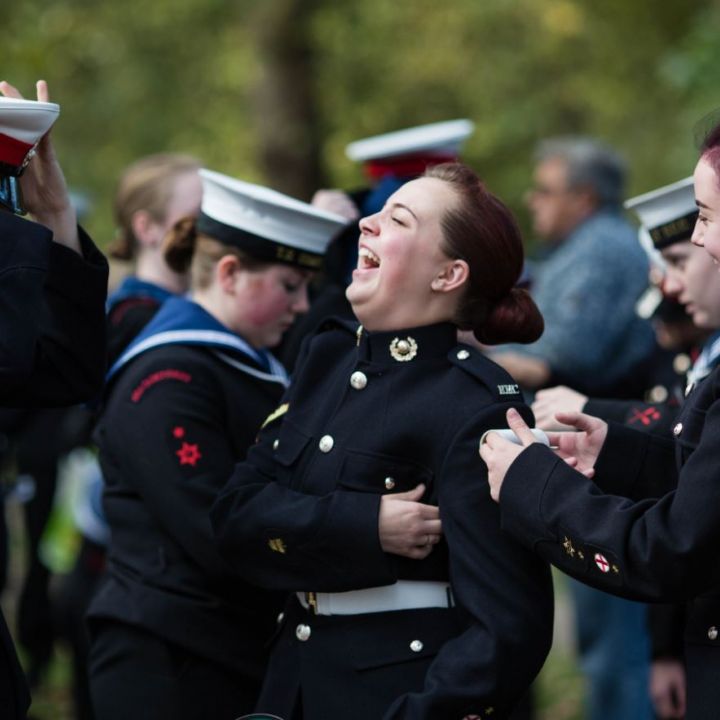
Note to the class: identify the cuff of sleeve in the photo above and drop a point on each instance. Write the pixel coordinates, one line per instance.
(354, 524)
(522, 492)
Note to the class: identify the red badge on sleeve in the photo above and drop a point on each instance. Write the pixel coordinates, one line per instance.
(602, 563)
(189, 454)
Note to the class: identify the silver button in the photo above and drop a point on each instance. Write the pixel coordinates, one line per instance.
(279, 618)
(681, 363)
(416, 645)
(276, 444)
(302, 632)
(677, 429)
(463, 355)
(326, 443)
(358, 380)
(658, 394)
(389, 483)
(713, 633)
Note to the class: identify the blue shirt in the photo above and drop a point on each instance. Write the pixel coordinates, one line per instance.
(586, 290)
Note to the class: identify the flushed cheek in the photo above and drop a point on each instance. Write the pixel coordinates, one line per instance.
(268, 312)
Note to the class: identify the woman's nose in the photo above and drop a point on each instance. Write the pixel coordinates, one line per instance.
(368, 225)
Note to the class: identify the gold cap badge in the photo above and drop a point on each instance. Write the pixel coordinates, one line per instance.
(403, 350)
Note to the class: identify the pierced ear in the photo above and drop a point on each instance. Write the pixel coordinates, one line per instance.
(454, 275)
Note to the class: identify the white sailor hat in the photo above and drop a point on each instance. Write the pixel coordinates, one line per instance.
(438, 142)
(668, 214)
(22, 125)
(264, 223)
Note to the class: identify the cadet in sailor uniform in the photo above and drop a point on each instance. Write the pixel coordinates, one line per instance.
(663, 548)
(175, 633)
(52, 297)
(372, 411)
(152, 195)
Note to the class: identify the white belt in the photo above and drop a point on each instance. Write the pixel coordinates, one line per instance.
(403, 595)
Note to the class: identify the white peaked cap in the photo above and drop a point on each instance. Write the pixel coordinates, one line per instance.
(265, 223)
(22, 125)
(442, 138)
(668, 213)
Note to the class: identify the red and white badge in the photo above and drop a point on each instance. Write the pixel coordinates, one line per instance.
(602, 563)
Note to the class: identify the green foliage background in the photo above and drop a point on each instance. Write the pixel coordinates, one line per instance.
(136, 77)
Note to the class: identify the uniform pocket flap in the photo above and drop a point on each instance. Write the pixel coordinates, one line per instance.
(366, 472)
(290, 444)
(416, 634)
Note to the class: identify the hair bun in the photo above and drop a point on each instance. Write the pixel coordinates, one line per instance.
(513, 318)
(179, 245)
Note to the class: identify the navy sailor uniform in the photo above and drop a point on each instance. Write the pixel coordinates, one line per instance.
(369, 414)
(185, 401)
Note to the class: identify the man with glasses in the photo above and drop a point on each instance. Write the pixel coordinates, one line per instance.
(592, 274)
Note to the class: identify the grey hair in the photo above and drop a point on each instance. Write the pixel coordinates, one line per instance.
(590, 163)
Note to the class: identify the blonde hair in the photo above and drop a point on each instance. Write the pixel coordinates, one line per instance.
(148, 184)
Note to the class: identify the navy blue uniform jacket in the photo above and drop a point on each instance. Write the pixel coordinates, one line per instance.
(302, 515)
(655, 539)
(52, 352)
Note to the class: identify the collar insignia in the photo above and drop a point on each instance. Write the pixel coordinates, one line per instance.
(403, 350)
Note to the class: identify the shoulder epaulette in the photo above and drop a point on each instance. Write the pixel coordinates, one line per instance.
(497, 380)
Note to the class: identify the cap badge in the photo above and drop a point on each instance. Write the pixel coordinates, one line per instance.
(403, 350)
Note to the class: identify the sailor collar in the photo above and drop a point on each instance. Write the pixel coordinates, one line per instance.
(408, 346)
(181, 321)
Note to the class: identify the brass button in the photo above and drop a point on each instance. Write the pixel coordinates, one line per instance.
(389, 483)
(326, 443)
(713, 633)
(276, 444)
(302, 632)
(358, 380)
(677, 429)
(463, 355)
(416, 645)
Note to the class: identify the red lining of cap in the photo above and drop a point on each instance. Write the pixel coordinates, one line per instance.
(12, 150)
(405, 165)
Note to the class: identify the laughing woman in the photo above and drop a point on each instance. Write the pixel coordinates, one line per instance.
(175, 633)
(373, 410)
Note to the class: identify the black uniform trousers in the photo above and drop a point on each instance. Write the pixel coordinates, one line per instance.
(133, 669)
